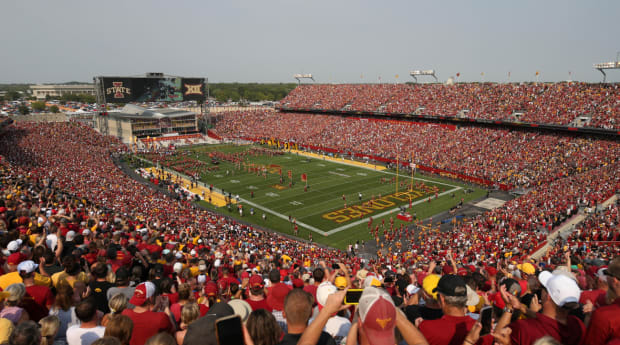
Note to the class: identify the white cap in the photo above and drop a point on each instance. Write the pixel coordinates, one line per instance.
(323, 291)
(372, 281)
(70, 235)
(178, 255)
(13, 246)
(192, 252)
(601, 274)
(201, 279)
(27, 266)
(472, 297)
(217, 263)
(178, 267)
(86, 232)
(51, 241)
(412, 289)
(560, 287)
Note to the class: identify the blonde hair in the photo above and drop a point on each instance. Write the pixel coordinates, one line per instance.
(49, 327)
(118, 303)
(189, 313)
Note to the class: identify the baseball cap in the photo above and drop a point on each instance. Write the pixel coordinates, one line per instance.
(323, 291)
(142, 293)
(256, 281)
(202, 265)
(13, 246)
(70, 235)
(298, 283)
(14, 259)
(372, 281)
(27, 266)
(177, 267)
(472, 297)
(340, 282)
(527, 268)
(560, 288)
(430, 283)
(378, 315)
(613, 269)
(412, 289)
(451, 285)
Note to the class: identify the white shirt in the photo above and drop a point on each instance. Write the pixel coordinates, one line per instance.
(338, 327)
(84, 336)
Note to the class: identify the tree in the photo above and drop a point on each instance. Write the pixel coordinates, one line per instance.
(38, 106)
(13, 95)
(23, 109)
(54, 109)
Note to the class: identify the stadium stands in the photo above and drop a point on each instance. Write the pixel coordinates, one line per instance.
(567, 104)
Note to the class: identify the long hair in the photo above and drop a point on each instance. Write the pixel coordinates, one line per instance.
(263, 328)
(64, 296)
(120, 327)
(49, 327)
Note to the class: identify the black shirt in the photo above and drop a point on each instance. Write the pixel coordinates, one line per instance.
(415, 311)
(292, 339)
(99, 293)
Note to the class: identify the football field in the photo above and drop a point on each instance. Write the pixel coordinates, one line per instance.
(331, 198)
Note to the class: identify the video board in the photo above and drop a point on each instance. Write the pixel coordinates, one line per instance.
(164, 89)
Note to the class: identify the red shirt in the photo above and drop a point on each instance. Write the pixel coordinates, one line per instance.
(262, 304)
(311, 289)
(146, 325)
(528, 331)
(591, 295)
(450, 330)
(41, 295)
(605, 324)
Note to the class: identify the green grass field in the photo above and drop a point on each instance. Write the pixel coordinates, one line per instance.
(321, 209)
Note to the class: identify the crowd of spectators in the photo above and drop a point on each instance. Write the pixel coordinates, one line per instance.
(96, 257)
(518, 158)
(540, 103)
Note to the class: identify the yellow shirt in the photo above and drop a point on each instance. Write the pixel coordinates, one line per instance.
(13, 278)
(62, 275)
(6, 328)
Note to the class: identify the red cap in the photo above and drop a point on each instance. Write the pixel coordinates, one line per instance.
(245, 275)
(378, 315)
(142, 292)
(211, 289)
(15, 259)
(256, 280)
(3, 209)
(298, 283)
(491, 271)
(276, 297)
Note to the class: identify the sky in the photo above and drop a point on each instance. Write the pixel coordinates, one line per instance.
(338, 41)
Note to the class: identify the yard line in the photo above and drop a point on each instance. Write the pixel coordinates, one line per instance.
(380, 171)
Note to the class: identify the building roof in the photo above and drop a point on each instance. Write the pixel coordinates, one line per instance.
(56, 87)
(134, 111)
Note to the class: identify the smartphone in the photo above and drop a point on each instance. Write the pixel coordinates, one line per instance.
(335, 266)
(353, 296)
(486, 318)
(229, 331)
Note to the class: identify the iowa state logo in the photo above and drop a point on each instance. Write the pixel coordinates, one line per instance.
(118, 90)
(193, 89)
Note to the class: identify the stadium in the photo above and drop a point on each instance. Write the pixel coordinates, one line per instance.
(329, 210)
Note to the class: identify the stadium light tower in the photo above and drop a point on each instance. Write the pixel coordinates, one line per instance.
(416, 73)
(601, 67)
(299, 77)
